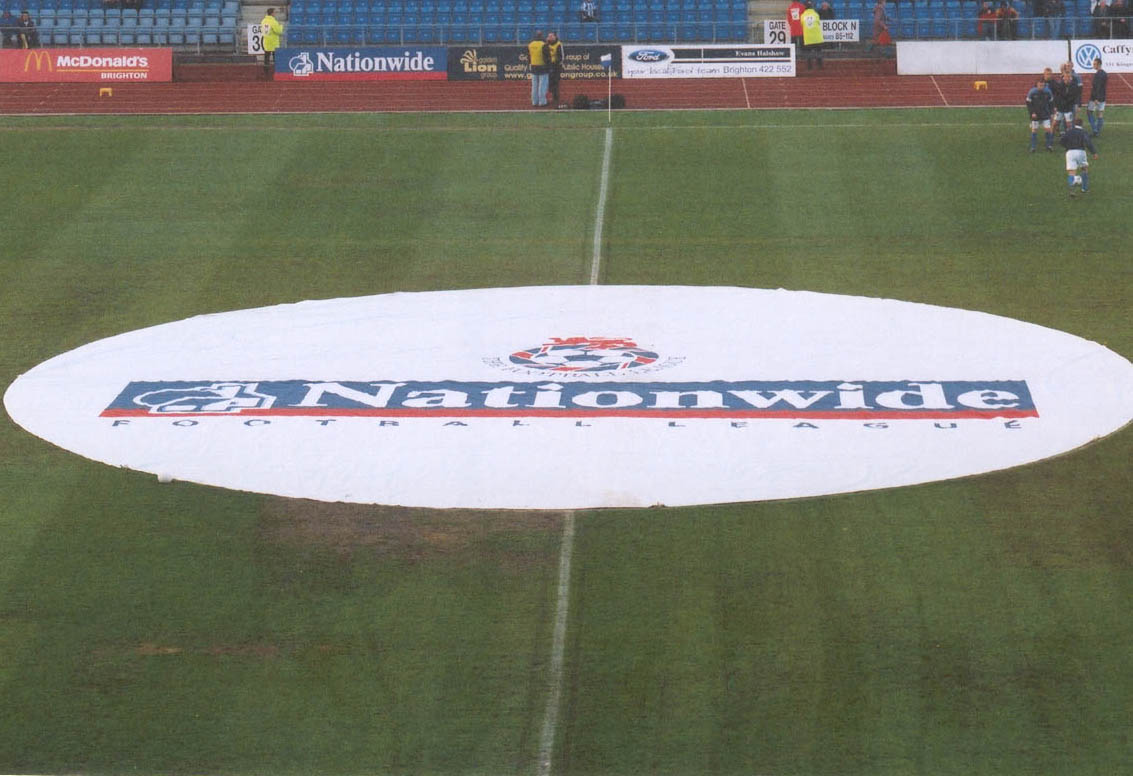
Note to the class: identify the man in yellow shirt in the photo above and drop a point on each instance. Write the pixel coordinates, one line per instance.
(271, 29)
(540, 69)
(812, 35)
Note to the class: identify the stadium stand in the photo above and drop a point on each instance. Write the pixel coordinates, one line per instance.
(197, 23)
(217, 24)
(513, 21)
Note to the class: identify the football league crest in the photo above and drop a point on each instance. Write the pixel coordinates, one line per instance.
(584, 354)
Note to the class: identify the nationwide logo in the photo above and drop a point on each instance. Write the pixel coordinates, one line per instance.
(301, 65)
(810, 399)
(42, 60)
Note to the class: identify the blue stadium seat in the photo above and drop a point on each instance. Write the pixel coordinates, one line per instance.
(463, 33)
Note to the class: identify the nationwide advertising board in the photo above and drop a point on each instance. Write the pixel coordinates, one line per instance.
(704, 61)
(374, 63)
(102, 65)
(1116, 55)
(510, 63)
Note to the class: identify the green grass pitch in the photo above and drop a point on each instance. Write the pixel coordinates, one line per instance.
(978, 626)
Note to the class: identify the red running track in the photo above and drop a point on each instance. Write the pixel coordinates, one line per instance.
(843, 84)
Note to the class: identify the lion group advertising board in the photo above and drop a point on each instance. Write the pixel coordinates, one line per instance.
(101, 65)
(708, 61)
(561, 397)
(370, 63)
(510, 63)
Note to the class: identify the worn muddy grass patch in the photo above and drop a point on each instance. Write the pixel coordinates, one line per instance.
(516, 538)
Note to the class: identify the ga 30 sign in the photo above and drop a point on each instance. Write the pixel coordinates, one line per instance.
(575, 397)
(102, 65)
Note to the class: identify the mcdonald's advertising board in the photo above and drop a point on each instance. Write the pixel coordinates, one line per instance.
(101, 65)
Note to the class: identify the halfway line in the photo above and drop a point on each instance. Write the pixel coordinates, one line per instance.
(558, 648)
(566, 549)
(600, 216)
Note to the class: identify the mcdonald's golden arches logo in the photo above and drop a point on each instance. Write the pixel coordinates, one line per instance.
(42, 60)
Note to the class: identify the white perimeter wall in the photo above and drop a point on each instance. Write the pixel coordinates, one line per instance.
(979, 57)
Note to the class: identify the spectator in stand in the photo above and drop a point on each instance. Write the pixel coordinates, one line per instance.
(1007, 24)
(795, 24)
(27, 36)
(1054, 13)
(8, 30)
(1119, 23)
(881, 36)
(825, 11)
(1102, 25)
(588, 12)
(985, 26)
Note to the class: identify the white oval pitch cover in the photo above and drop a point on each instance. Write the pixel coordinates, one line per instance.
(574, 397)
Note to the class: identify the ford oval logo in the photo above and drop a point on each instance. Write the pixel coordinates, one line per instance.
(649, 55)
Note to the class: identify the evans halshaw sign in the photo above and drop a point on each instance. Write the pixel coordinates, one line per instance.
(708, 61)
(576, 397)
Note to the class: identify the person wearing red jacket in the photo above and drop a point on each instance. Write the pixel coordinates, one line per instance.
(795, 23)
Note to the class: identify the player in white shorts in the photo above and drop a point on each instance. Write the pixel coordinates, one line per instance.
(1095, 109)
(1076, 141)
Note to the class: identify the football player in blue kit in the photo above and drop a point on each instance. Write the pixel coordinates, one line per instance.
(1040, 106)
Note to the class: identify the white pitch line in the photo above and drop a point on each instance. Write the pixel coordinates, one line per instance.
(600, 216)
(558, 649)
(746, 98)
(938, 91)
(566, 548)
